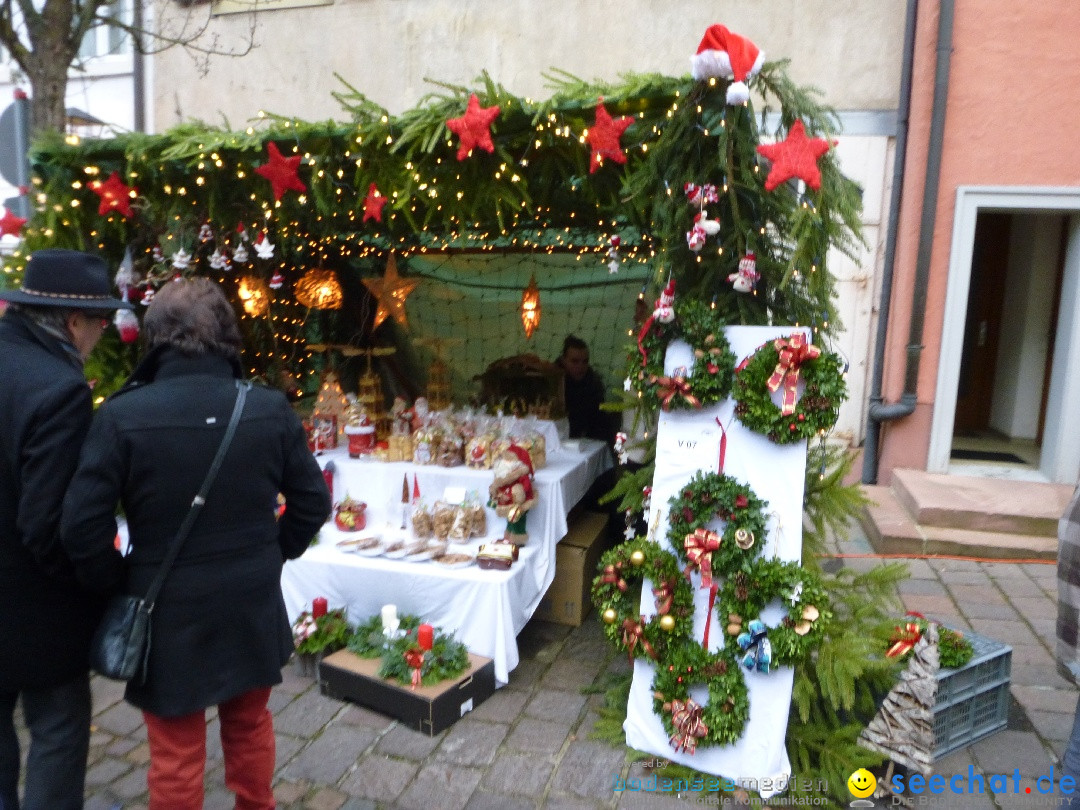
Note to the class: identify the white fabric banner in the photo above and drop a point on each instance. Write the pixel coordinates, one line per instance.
(688, 441)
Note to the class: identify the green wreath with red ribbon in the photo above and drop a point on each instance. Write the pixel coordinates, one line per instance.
(617, 599)
(746, 593)
(781, 365)
(709, 379)
(707, 497)
(721, 720)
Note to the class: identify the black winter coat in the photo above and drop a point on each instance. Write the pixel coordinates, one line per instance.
(219, 627)
(46, 620)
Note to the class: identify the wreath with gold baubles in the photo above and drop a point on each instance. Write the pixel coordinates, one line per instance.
(616, 597)
(708, 380)
(784, 365)
(708, 497)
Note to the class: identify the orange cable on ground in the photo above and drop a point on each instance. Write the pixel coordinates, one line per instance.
(940, 557)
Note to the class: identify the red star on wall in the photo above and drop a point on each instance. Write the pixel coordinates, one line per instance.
(604, 138)
(373, 204)
(474, 127)
(281, 172)
(115, 196)
(795, 156)
(11, 223)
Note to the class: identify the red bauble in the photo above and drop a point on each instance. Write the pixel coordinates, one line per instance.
(795, 156)
(281, 172)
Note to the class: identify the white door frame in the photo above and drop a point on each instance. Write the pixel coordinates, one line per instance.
(1061, 445)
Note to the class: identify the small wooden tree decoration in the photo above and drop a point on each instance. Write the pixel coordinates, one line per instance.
(903, 729)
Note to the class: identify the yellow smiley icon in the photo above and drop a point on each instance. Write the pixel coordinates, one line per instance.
(861, 783)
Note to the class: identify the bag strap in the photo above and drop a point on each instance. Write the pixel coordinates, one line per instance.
(200, 498)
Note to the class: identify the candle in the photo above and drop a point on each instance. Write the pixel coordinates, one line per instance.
(425, 636)
(389, 618)
(319, 606)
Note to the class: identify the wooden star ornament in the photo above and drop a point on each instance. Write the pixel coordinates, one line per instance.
(391, 291)
(604, 138)
(115, 196)
(11, 223)
(281, 172)
(795, 156)
(373, 204)
(474, 127)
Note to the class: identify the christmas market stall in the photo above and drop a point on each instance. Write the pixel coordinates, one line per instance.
(409, 279)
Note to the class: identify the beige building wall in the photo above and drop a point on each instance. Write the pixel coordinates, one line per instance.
(388, 49)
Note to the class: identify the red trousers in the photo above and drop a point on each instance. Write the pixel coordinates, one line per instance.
(178, 755)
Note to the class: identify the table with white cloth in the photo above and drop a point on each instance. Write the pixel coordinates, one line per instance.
(485, 609)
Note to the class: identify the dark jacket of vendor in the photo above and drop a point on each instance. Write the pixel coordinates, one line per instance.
(584, 392)
(219, 628)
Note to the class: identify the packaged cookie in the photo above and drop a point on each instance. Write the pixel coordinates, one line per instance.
(459, 530)
(423, 526)
(442, 518)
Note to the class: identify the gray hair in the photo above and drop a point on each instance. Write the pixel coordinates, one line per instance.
(52, 319)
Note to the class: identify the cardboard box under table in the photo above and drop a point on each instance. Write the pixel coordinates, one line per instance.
(568, 600)
(429, 709)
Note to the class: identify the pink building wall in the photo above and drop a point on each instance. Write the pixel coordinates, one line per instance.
(1013, 118)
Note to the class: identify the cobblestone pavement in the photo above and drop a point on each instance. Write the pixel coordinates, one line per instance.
(528, 745)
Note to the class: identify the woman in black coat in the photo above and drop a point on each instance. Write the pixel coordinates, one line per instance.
(219, 631)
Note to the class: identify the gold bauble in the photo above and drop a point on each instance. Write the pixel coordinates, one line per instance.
(610, 616)
(667, 623)
(810, 613)
(802, 628)
(637, 558)
(744, 538)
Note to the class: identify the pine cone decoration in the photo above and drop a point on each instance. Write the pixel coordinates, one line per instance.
(742, 586)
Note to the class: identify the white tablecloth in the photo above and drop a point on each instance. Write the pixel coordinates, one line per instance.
(485, 609)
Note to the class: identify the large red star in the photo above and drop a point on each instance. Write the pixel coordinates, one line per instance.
(474, 127)
(11, 223)
(604, 138)
(281, 172)
(115, 196)
(795, 156)
(373, 204)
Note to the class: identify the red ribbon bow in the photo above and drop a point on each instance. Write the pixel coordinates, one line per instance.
(671, 387)
(689, 728)
(664, 594)
(904, 640)
(414, 657)
(793, 353)
(611, 577)
(634, 632)
(700, 545)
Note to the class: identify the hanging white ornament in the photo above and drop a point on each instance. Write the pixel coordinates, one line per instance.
(276, 280)
(240, 254)
(206, 233)
(181, 260)
(218, 260)
(710, 226)
(264, 248)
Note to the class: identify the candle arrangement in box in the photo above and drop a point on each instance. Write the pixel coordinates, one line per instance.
(411, 652)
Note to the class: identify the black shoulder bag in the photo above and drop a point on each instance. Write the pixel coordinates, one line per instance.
(121, 645)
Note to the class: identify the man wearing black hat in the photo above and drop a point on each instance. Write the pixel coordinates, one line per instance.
(51, 325)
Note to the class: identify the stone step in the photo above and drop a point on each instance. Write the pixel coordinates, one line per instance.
(891, 529)
(981, 504)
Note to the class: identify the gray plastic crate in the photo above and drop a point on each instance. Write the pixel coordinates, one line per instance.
(973, 701)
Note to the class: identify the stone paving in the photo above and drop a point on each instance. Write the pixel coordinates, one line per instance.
(528, 745)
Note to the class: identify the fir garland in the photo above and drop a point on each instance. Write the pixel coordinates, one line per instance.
(617, 601)
(446, 659)
(816, 410)
(710, 378)
(709, 496)
(328, 633)
(746, 593)
(718, 722)
(368, 640)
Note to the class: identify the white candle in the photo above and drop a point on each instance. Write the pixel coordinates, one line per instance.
(389, 618)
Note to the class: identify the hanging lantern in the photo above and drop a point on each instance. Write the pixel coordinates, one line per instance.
(319, 289)
(530, 307)
(254, 295)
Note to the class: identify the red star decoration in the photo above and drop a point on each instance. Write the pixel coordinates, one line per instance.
(474, 127)
(11, 223)
(795, 156)
(115, 196)
(604, 138)
(373, 204)
(281, 172)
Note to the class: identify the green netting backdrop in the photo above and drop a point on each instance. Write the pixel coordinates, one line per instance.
(471, 304)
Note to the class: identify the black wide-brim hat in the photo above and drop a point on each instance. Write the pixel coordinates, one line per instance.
(65, 278)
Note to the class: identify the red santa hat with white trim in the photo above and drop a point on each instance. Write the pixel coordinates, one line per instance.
(725, 55)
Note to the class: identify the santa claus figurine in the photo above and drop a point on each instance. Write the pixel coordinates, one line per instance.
(511, 493)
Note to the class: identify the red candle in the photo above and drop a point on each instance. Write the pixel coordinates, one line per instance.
(318, 607)
(425, 636)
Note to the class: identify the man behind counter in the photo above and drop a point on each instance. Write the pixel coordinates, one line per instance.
(584, 392)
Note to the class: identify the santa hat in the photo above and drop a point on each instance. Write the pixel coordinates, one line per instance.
(727, 56)
(523, 456)
(667, 295)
